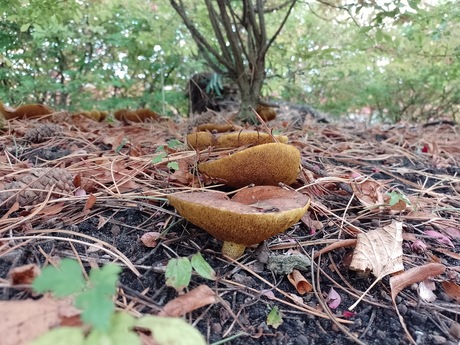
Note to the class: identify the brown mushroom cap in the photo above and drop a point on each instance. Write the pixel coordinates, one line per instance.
(250, 217)
(202, 140)
(267, 164)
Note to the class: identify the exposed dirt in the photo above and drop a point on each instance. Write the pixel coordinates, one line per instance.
(114, 162)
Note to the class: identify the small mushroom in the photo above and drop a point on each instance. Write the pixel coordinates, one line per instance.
(202, 140)
(250, 217)
(267, 164)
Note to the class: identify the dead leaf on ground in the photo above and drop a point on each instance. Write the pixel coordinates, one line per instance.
(313, 225)
(24, 274)
(368, 191)
(452, 290)
(333, 299)
(301, 284)
(425, 290)
(379, 251)
(192, 300)
(414, 275)
(90, 201)
(23, 321)
(149, 239)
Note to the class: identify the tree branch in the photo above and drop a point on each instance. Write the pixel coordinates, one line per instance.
(203, 45)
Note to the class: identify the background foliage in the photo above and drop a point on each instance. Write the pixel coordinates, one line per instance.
(388, 62)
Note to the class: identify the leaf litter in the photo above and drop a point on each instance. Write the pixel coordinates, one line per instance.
(361, 180)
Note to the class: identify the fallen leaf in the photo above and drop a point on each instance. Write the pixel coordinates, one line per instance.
(425, 290)
(441, 238)
(313, 225)
(349, 314)
(414, 275)
(23, 321)
(369, 192)
(192, 300)
(333, 299)
(90, 202)
(419, 246)
(379, 251)
(452, 290)
(452, 232)
(301, 284)
(149, 239)
(24, 274)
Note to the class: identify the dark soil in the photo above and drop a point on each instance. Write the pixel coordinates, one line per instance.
(241, 316)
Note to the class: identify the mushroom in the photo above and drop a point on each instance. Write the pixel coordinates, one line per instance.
(202, 140)
(250, 217)
(267, 164)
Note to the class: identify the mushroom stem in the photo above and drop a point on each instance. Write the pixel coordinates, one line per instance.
(233, 250)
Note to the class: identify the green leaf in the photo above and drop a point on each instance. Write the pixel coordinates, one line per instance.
(97, 308)
(105, 279)
(201, 267)
(61, 336)
(275, 318)
(25, 27)
(159, 158)
(96, 302)
(174, 143)
(63, 281)
(123, 142)
(178, 273)
(396, 196)
(173, 165)
(120, 332)
(160, 149)
(171, 331)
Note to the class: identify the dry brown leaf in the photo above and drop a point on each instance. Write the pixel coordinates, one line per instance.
(369, 192)
(90, 201)
(425, 290)
(414, 275)
(149, 239)
(301, 284)
(267, 164)
(23, 321)
(313, 225)
(452, 290)
(250, 217)
(192, 300)
(52, 209)
(24, 274)
(379, 251)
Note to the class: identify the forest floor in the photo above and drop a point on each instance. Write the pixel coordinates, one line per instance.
(360, 179)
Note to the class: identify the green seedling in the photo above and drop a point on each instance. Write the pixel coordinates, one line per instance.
(95, 298)
(163, 154)
(275, 318)
(397, 196)
(179, 271)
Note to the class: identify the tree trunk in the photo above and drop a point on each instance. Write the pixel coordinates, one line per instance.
(250, 86)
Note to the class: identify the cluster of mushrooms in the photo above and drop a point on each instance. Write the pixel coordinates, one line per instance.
(254, 213)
